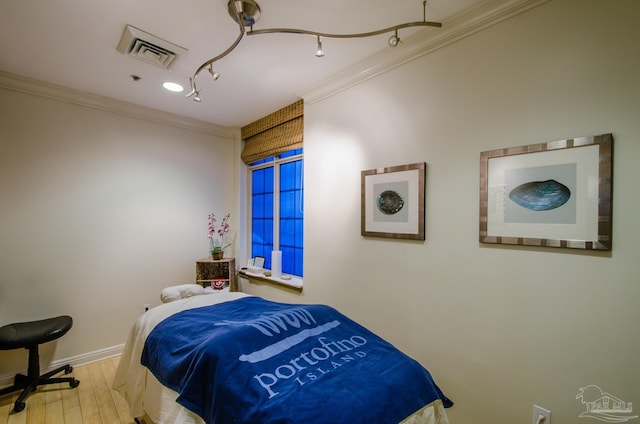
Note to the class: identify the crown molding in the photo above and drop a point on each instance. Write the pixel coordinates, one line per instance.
(34, 87)
(462, 25)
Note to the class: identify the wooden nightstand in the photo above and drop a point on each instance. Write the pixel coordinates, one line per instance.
(208, 269)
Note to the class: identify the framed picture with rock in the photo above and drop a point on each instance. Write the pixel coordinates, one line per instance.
(556, 194)
(393, 202)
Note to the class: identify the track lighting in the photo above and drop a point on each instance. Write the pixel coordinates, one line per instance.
(394, 40)
(213, 73)
(319, 51)
(247, 12)
(194, 93)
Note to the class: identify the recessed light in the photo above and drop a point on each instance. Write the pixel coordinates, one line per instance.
(172, 86)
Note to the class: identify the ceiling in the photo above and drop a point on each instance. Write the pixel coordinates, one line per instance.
(72, 43)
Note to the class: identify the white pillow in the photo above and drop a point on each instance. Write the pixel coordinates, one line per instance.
(182, 291)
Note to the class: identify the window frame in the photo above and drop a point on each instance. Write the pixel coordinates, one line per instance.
(274, 162)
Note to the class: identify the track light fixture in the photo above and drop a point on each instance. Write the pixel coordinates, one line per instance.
(247, 12)
(213, 73)
(394, 40)
(192, 84)
(194, 94)
(319, 51)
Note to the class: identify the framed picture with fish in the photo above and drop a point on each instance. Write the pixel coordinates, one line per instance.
(392, 202)
(555, 194)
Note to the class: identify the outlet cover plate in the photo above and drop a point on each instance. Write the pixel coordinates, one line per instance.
(539, 410)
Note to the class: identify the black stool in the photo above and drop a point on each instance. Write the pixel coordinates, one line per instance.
(29, 335)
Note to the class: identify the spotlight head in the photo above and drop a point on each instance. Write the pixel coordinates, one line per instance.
(196, 97)
(319, 51)
(394, 40)
(213, 73)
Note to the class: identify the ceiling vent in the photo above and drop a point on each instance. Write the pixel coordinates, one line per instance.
(149, 48)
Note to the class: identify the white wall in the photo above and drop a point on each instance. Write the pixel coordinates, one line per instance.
(500, 328)
(99, 212)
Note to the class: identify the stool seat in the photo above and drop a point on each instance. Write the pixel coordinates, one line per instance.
(23, 334)
(30, 335)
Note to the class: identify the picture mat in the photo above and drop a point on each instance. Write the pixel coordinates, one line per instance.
(586, 159)
(411, 225)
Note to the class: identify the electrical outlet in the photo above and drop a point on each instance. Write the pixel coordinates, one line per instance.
(541, 415)
(146, 307)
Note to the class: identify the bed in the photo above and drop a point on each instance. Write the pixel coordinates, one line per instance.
(232, 357)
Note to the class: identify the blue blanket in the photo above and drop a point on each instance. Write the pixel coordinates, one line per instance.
(255, 361)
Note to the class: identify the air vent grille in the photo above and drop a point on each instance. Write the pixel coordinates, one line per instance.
(149, 48)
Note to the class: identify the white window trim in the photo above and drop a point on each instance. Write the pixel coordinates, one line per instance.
(294, 281)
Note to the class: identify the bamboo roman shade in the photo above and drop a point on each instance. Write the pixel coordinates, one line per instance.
(274, 134)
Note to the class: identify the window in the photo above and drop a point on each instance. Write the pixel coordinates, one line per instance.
(277, 209)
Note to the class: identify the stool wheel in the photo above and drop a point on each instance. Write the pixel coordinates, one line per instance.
(75, 383)
(68, 369)
(19, 406)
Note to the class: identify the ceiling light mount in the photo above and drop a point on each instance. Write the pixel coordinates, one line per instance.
(247, 12)
(244, 12)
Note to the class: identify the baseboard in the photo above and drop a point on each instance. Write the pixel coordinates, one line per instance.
(74, 361)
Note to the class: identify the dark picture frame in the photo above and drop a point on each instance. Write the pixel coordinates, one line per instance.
(555, 194)
(393, 202)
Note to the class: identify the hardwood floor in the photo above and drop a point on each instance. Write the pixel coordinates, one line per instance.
(92, 402)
